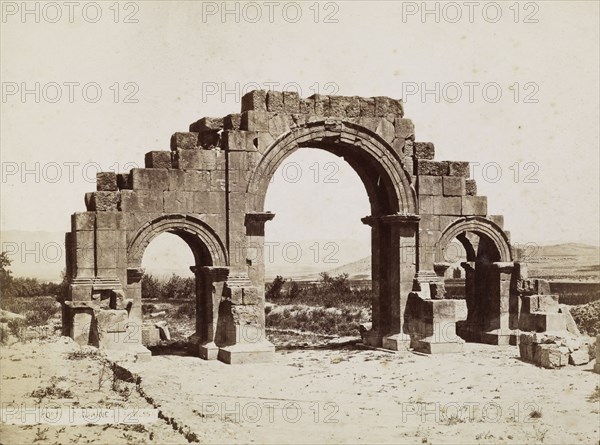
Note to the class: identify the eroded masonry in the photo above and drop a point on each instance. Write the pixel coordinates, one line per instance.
(209, 189)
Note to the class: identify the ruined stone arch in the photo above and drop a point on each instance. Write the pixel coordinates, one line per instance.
(206, 246)
(380, 168)
(480, 226)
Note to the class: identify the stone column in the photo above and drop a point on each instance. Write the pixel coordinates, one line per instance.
(374, 336)
(401, 269)
(497, 318)
(134, 293)
(209, 289)
(255, 249)
(471, 329)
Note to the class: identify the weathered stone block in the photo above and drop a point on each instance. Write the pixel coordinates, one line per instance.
(471, 187)
(106, 181)
(109, 220)
(307, 106)
(457, 168)
(322, 105)
(198, 202)
(255, 121)
(275, 101)
(579, 357)
(196, 160)
(344, 106)
(255, 100)
(426, 205)
(553, 356)
(83, 221)
(176, 201)
(430, 185)
(454, 185)
(291, 102)
(474, 205)
(184, 141)
(232, 122)
(216, 202)
(196, 181)
(141, 201)
(367, 106)
(424, 150)
(239, 140)
(443, 205)
(105, 201)
(250, 295)
(207, 124)
(158, 159)
(150, 178)
(405, 129)
(497, 219)
(432, 168)
(547, 303)
(386, 106)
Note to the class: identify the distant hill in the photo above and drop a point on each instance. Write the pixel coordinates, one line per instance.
(41, 255)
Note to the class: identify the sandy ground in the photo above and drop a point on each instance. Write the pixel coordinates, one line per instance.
(485, 395)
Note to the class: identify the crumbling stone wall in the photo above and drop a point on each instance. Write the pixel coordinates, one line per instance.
(210, 188)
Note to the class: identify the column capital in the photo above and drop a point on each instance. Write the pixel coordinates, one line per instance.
(216, 273)
(134, 275)
(441, 268)
(258, 217)
(396, 218)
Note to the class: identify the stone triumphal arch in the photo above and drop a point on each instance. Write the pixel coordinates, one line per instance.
(209, 189)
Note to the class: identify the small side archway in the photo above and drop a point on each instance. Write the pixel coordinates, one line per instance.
(209, 252)
(488, 254)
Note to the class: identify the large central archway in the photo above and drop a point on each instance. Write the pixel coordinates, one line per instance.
(392, 200)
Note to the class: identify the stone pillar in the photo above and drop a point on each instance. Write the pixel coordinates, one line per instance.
(209, 289)
(374, 336)
(134, 293)
(496, 322)
(255, 249)
(401, 269)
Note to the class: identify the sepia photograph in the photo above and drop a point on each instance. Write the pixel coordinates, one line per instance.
(300, 222)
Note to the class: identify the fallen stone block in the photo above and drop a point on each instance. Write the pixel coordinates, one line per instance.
(571, 325)
(163, 330)
(579, 357)
(553, 356)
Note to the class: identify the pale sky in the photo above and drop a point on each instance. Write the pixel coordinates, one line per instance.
(176, 62)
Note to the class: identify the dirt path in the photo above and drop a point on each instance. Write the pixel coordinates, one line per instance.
(485, 395)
